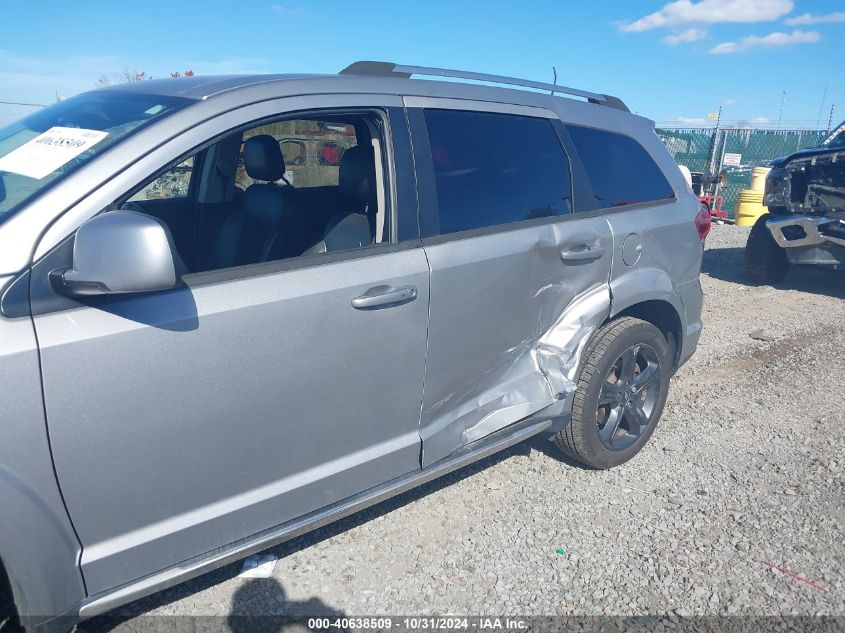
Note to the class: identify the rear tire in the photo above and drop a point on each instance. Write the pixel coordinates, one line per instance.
(621, 392)
(8, 615)
(9, 622)
(765, 261)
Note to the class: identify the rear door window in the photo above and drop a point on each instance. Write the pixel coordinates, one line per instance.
(619, 169)
(494, 169)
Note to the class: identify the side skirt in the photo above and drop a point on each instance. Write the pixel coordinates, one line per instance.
(505, 438)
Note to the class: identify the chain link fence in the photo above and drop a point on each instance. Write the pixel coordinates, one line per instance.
(734, 152)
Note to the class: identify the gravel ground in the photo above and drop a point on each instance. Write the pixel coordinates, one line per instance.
(746, 466)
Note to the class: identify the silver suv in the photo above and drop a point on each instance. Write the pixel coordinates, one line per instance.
(237, 308)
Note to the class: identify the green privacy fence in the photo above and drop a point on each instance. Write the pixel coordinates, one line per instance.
(705, 150)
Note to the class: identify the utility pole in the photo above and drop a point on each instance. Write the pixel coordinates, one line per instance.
(711, 163)
(780, 110)
(830, 118)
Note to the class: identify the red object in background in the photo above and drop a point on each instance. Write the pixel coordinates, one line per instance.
(714, 205)
(330, 154)
(703, 221)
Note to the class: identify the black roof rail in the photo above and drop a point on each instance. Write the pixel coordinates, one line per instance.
(389, 69)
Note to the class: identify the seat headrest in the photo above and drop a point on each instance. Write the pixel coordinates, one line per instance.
(357, 172)
(263, 158)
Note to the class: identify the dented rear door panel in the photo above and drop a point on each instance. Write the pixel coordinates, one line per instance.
(512, 306)
(509, 319)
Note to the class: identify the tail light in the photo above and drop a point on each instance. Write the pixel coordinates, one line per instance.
(703, 221)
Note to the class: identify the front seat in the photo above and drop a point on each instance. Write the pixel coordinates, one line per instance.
(356, 228)
(357, 181)
(264, 226)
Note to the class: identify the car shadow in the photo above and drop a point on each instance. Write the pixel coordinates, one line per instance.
(263, 605)
(727, 264)
(137, 610)
(173, 310)
(543, 445)
(258, 604)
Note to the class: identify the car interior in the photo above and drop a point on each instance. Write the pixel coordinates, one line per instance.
(238, 201)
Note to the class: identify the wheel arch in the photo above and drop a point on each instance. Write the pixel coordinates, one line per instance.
(38, 558)
(663, 315)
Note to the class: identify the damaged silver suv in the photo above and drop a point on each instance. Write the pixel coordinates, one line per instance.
(237, 308)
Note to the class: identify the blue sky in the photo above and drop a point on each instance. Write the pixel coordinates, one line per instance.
(673, 62)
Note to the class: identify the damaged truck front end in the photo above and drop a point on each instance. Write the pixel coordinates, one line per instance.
(805, 223)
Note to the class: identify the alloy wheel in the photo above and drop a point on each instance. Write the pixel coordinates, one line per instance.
(628, 397)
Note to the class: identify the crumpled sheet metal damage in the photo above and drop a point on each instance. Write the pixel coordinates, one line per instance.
(540, 373)
(813, 185)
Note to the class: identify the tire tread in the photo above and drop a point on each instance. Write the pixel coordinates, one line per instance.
(765, 262)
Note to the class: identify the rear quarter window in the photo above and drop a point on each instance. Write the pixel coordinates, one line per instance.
(496, 169)
(620, 170)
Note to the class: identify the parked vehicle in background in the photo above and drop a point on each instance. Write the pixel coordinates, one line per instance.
(805, 223)
(225, 360)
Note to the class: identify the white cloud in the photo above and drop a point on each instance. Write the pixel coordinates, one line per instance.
(690, 35)
(756, 122)
(809, 18)
(686, 120)
(711, 12)
(766, 41)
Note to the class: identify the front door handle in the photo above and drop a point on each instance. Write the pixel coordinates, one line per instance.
(384, 295)
(582, 252)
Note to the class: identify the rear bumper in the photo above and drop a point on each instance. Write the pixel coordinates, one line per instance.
(692, 298)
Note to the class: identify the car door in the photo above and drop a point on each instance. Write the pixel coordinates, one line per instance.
(185, 420)
(516, 278)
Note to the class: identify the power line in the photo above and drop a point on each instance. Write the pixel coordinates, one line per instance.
(21, 103)
(821, 106)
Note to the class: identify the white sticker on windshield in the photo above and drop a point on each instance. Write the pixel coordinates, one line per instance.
(47, 152)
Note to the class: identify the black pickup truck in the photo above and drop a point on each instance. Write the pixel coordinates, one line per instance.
(805, 223)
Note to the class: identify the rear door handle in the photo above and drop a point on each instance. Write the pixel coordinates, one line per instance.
(384, 295)
(582, 252)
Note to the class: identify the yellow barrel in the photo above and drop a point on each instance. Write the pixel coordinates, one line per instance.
(758, 178)
(749, 208)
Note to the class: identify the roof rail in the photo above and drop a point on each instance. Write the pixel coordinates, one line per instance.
(389, 69)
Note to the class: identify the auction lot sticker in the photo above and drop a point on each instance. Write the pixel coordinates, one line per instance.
(47, 152)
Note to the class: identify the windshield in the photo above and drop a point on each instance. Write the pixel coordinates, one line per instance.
(41, 149)
(836, 138)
